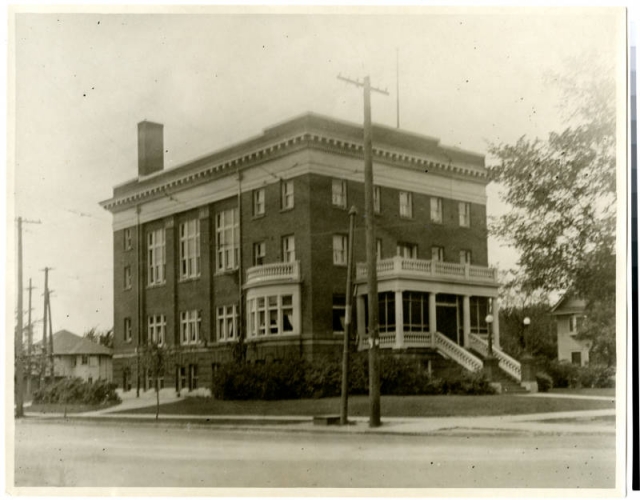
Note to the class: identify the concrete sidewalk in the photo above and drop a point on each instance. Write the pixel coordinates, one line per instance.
(575, 422)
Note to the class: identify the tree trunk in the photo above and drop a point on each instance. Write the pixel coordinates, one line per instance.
(157, 399)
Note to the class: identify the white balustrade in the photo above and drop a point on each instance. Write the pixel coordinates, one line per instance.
(459, 354)
(273, 272)
(506, 362)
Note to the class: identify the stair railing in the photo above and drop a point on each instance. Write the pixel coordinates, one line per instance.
(506, 362)
(459, 354)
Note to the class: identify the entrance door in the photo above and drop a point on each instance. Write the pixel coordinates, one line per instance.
(447, 321)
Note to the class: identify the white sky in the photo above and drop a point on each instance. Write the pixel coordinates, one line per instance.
(83, 82)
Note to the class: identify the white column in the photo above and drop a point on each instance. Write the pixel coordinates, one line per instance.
(362, 330)
(399, 321)
(496, 323)
(432, 318)
(466, 319)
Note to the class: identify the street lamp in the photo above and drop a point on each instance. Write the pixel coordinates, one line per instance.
(525, 323)
(489, 320)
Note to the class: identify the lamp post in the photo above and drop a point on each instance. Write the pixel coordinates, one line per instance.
(525, 326)
(489, 320)
(527, 362)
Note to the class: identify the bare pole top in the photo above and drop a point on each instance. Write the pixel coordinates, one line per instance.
(359, 83)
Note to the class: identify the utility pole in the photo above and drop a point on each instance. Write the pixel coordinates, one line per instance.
(397, 90)
(47, 343)
(347, 321)
(372, 278)
(50, 336)
(29, 341)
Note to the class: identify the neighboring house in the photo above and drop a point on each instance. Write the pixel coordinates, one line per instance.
(75, 356)
(251, 241)
(569, 312)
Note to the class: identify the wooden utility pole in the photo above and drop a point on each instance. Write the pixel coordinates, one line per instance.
(47, 343)
(29, 341)
(372, 278)
(344, 407)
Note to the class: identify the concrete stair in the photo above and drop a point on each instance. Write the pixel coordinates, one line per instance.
(509, 385)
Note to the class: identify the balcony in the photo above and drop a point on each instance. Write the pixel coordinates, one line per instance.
(400, 267)
(278, 272)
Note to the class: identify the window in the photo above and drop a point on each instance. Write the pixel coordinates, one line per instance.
(156, 257)
(576, 358)
(436, 210)
(127, 277)
(127, 239)
(378, 249)
(415, 307)
(286, 195)
(190, 249)
(479, 308)
(339, 308)
(387, 312)
(156, 325)
(227, 240)
(127, 330)
(270, 315)
(259, 253)
(227, 322)
(464, 214)
(377, 207)
(190, 327)
(437, 253)
(288, 249)
(339, 193)
(339, 250)
(181, 380)
(258, 202)
(193, 377)
(84, 359)
(465, 256)
(406, 205)
(407, 250)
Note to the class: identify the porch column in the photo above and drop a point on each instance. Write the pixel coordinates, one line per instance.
(399, 321)
(466, 319)
(496, 322)
(361, 320)
(432, 318)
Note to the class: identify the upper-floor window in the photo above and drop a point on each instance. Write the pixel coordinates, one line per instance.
(286, 195)
(339, 250)
(339, 193)
(288, 249)
(377, 205)
(227, 239)
(259, 253)
(437, 253)
(227, 322)
(407, 250)
(436, 210)
(378, 249)
(406, 204)
(190, 322)
(464, 214)
(127, 277)
(156, 257)
(156, 325)
(465, 256)
(258, 202)
(127, 239)
(190, 249)
(127, 329)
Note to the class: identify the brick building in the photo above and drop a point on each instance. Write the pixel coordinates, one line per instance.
(252, 239)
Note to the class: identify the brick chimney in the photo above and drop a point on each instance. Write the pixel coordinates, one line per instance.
(150, 148)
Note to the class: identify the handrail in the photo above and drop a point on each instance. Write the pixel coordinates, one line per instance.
(506, 362)
(458, 353)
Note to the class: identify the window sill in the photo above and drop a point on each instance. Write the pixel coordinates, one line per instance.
(156, 285)
(127, 289)
(340, 265)
(288, 209)
(272, 336)
(339, 207)
(226, 271)
(258, 216)
(188, 280)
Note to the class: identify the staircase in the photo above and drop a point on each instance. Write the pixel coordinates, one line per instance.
(509, 384)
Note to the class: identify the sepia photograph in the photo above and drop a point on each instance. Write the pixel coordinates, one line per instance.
(311, 250)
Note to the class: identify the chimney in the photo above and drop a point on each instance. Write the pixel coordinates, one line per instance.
(150, 148)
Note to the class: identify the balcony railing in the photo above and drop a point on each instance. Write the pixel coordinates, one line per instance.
(429, 269)
(277, 272)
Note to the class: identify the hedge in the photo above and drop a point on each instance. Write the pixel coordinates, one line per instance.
(77, 391)
(568, 375)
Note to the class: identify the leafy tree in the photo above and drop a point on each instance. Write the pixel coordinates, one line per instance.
(561, 193)
(104, 337)
(155, 360)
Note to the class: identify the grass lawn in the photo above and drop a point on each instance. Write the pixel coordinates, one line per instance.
(60, 408)
(586, 392)
(392, 406)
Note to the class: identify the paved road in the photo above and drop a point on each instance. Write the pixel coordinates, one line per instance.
(107, 454)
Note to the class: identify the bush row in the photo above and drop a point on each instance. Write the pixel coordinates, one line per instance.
(564, 374)
(294, 379)
(77, 391)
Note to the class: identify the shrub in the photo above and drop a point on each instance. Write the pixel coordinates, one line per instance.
(77, 391)
(562, 373)
(599, 376)
(544, 381)
(467, 383)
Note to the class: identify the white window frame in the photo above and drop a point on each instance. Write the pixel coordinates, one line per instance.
(378, 248)
(128, 329)
(406, 204)
(340, 247)
(339, 193)
(128, 281)
(436, 210)
(156, 328)
(287, 200)
(259, 253)
(464, 214)
(227, 323)
(190, 249)
(437, 253)
(259, 310)
(407, 250)
(377, 204)
(288, 248)
(156, 256)
(259, 198)
(190, 327)
(465, 257)
(227, 240)
(128, 240)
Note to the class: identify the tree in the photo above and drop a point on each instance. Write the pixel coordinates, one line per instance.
(104, 337)
(154, 360)
(562, 196)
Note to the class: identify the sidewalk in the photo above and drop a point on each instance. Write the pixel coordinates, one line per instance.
(575, 422)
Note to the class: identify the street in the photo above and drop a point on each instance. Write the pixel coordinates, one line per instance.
(112, 454)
